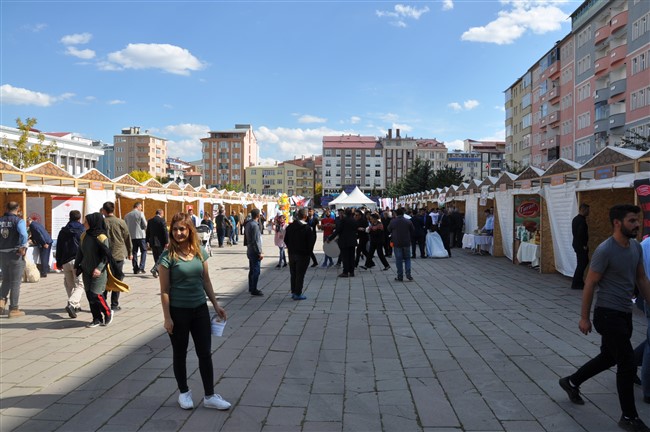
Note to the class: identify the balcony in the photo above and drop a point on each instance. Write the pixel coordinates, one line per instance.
(618, 22)
(553, 118)
(616, 121)
(617, 87)
(553, 71)
(601, 125)
(602, 94)
(602, 34)
(601, 65)
(554, 95)
(617, 55)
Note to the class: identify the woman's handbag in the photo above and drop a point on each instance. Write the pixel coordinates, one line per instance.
(113, 283)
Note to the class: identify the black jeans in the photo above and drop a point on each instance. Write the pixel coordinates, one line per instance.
(195, 321)
(380, 253)
(615, 328)
(583, 261)
(115, 295)
(139, 245)
(416, 242)
(298, 265)
(347, 258)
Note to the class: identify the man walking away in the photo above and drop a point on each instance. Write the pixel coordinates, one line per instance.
(616, 267)
(346, 231)
(67, 245)
(43, 242)
(444, 229)
(253, 237)
(137, 230)
(13, 246)
(419, 222)
(220, 224)
(120, 244)
(580, 245)
(401, 230)
(157, 237)
(300, 241)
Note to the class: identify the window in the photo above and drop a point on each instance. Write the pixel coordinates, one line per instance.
(584, 36)
(566, 76)
(584, 120)
(639, 63)
(367, 153)
(566, 101)
(526, 121)
(640, 98)
(584, 92)
(566, 128)
(357, 173)
(583, 147)
(328, 152)
(253, 172)
(584, 64)
(640, 26)
(525, 100)
(348, 153)
(377, 173)
(338, 153)
(377, 153)
(223, 144)
(290, 173)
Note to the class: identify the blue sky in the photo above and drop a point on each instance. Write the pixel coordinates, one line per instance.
(295, 70)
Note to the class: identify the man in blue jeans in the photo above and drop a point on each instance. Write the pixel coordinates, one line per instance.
(254, 251)
(401, 230)
(616, 267)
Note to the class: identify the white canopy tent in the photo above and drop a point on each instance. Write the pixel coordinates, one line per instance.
(356, 198)
(339, 198)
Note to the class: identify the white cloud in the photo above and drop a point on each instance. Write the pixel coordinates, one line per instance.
(355, 119)
(286, 143)
(116, 102)
(187, 142)
(500, 108)
(20, 96)
(447, 5)
(85, 54)
(76, 39)
(455, 145)
(267, 161)
(402, 128)
(401, 13)
(168, 106)
(170, 58)
(467, 105)
(537, 16)
(34, 27)
(311, 119)
(499, 135)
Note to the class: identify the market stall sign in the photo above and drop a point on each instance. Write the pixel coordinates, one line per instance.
(604, 172)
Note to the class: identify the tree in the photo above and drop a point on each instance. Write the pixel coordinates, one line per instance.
(447, 176)
(636, 141)
(22, 154)
(237, 187)
(140, 176)
(516, 167)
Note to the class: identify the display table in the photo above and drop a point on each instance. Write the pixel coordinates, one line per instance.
(473, 241)
(528, 252)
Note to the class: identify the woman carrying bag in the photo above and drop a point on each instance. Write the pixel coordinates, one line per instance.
(184, 284)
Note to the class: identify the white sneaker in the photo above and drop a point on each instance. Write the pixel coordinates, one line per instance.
(185, 400)
(216, 401)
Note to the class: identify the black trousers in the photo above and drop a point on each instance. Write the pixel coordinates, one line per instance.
(416, 242)
(298, 265)
(380, 253)
(615, 329)
(457, 238)
(583, 262)
(445, 236)
(347, 259)
(361, 251)
(115, 295)
(194, 321)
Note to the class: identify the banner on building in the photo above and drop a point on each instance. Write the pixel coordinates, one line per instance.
(642, 189)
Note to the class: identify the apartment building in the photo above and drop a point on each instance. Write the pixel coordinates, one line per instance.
(354, 160)
(468, 163)
(399, 155)
(311, 171)
(492, 154)
(106, 162)
(518, 104)
(227, 154)
(139, 151)
(433, 151)
(265, 179)
(592, 89)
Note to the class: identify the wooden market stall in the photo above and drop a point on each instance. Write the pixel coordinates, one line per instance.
(175, 198)
(128, 191)
(530, 221)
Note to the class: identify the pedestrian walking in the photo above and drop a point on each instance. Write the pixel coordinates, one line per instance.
(121, 247)
(157, 237)
(419, 222)
(138, 231)
(67, 245)
(280, 228)
(13, 246)
(616, 267)
(313, 222)
(253, 238)
(43, 243)
(220, 224)
(92, 257)
(300, 240)
(376, 235)
(401, 230)
(327, 224)
(346, 231)
(184, 285)
(580, 244)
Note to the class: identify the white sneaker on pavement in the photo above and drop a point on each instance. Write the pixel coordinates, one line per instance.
(185, 400)
(216, 401)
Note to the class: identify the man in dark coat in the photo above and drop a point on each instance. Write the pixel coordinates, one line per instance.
(457, 225)
(300, 240)
(313, 222)
(346, 231)
(401, 230)
(43, 242)
(580, 245)
(157, 237)
(419, 222)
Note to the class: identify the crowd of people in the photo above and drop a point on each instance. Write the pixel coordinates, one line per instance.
(90, 252)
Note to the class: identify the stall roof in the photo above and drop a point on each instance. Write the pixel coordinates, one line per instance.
(94, 175)
(612, 156)
(506, 178)
(126, 179)
(172, 186)
(474, 185)
(7, 166)
(489, 181)
(530, 173)
(153, 183)
(562, 166)
(48, 168)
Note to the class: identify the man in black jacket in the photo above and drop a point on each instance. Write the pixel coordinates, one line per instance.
(346, 231)
(580, 245)
(444, 229)
(419, 222)
(300, 241)
(67, 244)
(157, 237)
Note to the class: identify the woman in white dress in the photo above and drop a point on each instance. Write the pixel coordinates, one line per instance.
(435, 248)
